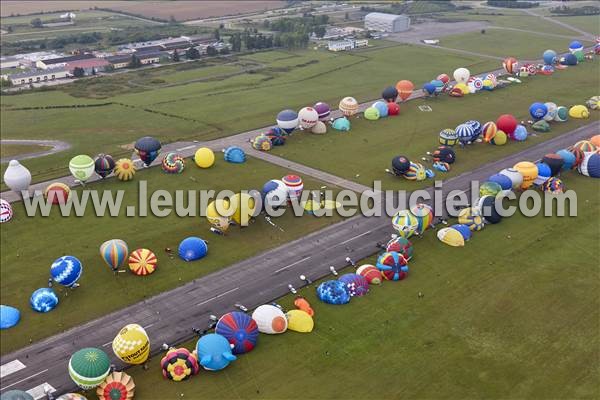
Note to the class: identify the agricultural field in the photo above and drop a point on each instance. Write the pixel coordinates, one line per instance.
(365, 152)
(82, 236)
(498, 318)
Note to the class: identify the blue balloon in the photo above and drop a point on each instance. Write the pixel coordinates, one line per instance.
(234, 154)
(214, 352)
(568, 157)
(333, 292)
(341, 124)
(575, 46)
(43, 300)
(538, 110)
(429, 88)
(464, 230)
(520, 133)
(464, 132)
(476, 125)
(192, 248)
(569, 59)
(382, 108)
(66, 270)
(439, 85)
(502, 180)
(549, 57)
(544, 173)
(9, 316)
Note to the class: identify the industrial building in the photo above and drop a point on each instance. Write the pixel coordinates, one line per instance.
(386, 22)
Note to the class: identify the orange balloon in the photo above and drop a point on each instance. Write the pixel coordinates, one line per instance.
(302, 304)
(405, 89)
(595, 140)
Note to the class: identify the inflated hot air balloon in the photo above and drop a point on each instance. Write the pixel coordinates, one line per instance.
(81, 167)
(192, 248)
(43, 300)
(549, 57)
(57, 193)
(569, 59)
(382, 108)
(244, 206)
(405, 223)
(488, 131)
(448, 137)
(575, 45)
(400, 165)
(392, 266)
(300, 321)
(389, 94)
(348, 106)
(554, 161)
(294, 184)
(553, 186)
(405, 89)
(9, 316)
(239, 329)
(204, 157)
(357, 285)
(88, 367)
(15, 394)
(147, 149)
(444, 154)
(17, 177)
(173, 163)
(371, 113)
(590, 165)
(132, 344)
(568, 158)
(142, 262)
(66, 271)
(451, 237)
(114, 252)
(270, 319)
(595, 140)
(489, 189)
(287, 120)
(429, 88)
(439, 85)
(579, 112)
(323, 110)
(308, 117)
(341, 124)
(538, 110)
(124, 169)
(179, 364)
(461, 75)
(214, 352)
(262, 143)
(393, 109)
(319, 129)
(6, 211)
(541, 126)
(400, 245)
(276, 135)
(510, 65)
(116, 386)
(529, 171)
(371, 274)
(487, 205)
(456, 91)
(424, 215)
(463, 230)
(520, 134)
(562, 114)
(514, 175)
(333, 292)
(593, 103)
(416, 172)
(585, 146)
(444, 78)
(302, 304)
(234, 154)
(213, 216)
(500, 139)
(104, 165)
(274, 193)
(507, 123)
(477, 128)
(551, 114)
(464, 132)
(472, 218)
(502, 180)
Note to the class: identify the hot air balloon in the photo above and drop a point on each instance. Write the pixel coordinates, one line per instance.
(66, 271)
(448, 137)
(507, 123)
(88, 367)
(502, 180)
(562, 114)
(392, 266)
(520, 134)
(132, 345)
(116, 386)
(461, 75)
(441, 166)
(300, 321)
(590, 165)
(17, 395)
(124, 169)
(244, 206)
(341, 124)
(204, 157)
(463, 230)
(569, 59)
(541, 126)
(371, 274)
(6, 211)
(276, 135)
(554, 161)
(551, 114)
(471, 217)
(81, 167)
(357, 285)
(487, 205)
(215, 218)
(147, 149)
(333, 292)
(9, 316)
(584, 146)
(302, 304)
(294, 184)
(234, 154)
(382, 108)
(270, 319)
(451, 237)
(43, 300)
(214, 352)
(400, 165)
(239, 329)
(416, 172)
(393, 109)
(274, 193)
(568, 158)
(456, 92)
(320, 128)
(593, 103)
(173, 163)
(439, 86)
(179, 364)
(489, 130)
(529, 171)
(465, 133)
(429, 88)
(262, 143)
(104, 165)
(514, 175)
(323, 110)
(579, 112)
(444, 78)
(405, 223)
(400, 245)
(538, 110)
(489, 189)
(371, 113)
(389, 94)
(575, 45)
(477, 128)
(424, 215)
(510, 65)
(348, 106)
(500, 139)
(114, 252)
(549, 57)
(57, 193)
(405, 89)
(308, 117)
(553, 186)
(192, 248)
(142, 262)
(445, 154)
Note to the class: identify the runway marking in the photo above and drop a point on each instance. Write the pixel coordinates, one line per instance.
(185, 148)
(40, 392)
(217, 296)
(24, 379)
(106, 344)
(11, 368)
(148, 326)
(292, 264)
(356, 237)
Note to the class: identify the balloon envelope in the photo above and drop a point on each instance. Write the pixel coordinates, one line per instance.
(270, 319)
(235, 155)
(88, 367)
(333, 292)
(405, 89)
(17, 177)
(132, 345)
(66, 270)
(9, 316)
(179, 364)
(357, 285)
(114, 252)
(82, 167)
(214, 352)
(192, 248)
(461, 75)
(43, 300)
(147, 148)
(239, 329)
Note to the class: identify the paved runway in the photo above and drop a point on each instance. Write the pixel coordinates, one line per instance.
(252, 282)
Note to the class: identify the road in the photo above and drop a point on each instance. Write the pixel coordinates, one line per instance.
(56, 145)
(252, 282)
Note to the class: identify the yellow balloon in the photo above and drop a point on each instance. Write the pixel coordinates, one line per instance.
(214, 217)
(124, 169)
(244, 206)
(529, 171)
(204, 157)
(300, 321)
(579, 111)
(132, 344)
(463, 88)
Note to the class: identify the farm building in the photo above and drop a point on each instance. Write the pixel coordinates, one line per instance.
(9, 62)
(386, 22)
(149, 58)
(119, 60)
(55, 62)
(38, 76)
(344, 45)
(90, 66)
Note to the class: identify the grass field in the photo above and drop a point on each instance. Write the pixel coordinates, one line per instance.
(507, 316)
(587, 23)
(9, 150)
(365, 152)
(26, 262)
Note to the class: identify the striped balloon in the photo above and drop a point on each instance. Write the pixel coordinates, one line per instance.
(142, 262)
(464, 132)
(392, 266)
(405, 223)
(476, 125)
(114, 253)
(239, 329)
(448, 137)
(424, 215)
(66, 270)
(489, 130)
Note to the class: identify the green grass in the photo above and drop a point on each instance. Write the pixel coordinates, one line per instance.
(365, 152)
(26, 261)
(8, 150)
(587, 23)
(510, 315)
(505, 43)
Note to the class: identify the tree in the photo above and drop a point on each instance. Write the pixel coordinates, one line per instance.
(217, 34)
(192, 53)
(320, 31)
(93, 71)
(78, 72)
(211, 51)
(175, 56)
(109, 68)
(224, 50)
(37, 23)
(135, 62)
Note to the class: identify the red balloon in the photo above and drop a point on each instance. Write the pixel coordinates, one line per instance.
(393, 108)
(507, 123)
(444, 78)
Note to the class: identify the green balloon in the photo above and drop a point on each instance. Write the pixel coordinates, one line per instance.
(372, 114)
(82, 167)
(580, 56)
(88, 367)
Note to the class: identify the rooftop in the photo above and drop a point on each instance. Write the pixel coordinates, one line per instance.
(118, 58)
(37, 72)
(90, 63)
(145, 56)
(384, 16)
(68, 59)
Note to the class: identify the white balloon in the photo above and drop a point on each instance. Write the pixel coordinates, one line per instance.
(270, 319)
(308, 117)
(462, 75)
(17, 177)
